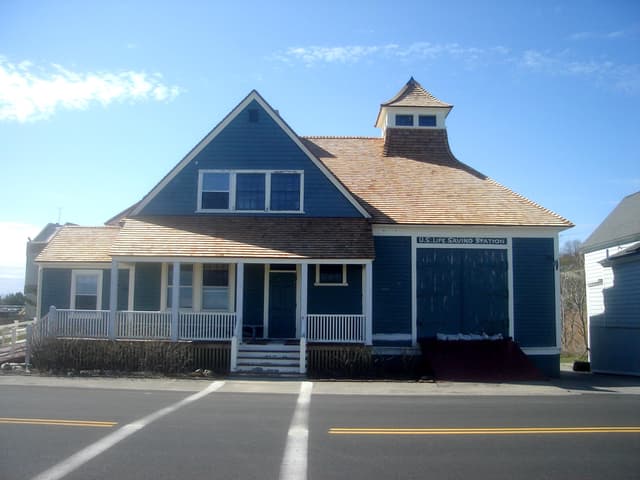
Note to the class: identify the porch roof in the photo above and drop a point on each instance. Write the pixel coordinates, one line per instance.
(80, 244)
(245, 237)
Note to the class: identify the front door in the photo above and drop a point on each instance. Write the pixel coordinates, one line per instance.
(282, 302)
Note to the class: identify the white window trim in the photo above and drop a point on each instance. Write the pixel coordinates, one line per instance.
(344, 282)
(74, 275)
(232, 191)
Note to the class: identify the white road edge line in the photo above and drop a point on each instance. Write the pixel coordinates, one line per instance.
(78, 459)
(294, 462)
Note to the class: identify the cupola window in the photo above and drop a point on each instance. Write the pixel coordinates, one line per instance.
(404, 120)
(427, 121)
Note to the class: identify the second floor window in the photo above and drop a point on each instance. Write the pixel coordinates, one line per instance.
(250, 191)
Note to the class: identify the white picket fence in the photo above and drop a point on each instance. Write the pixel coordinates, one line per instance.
(336, 328)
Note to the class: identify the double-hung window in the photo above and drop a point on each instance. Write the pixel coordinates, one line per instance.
(185, 294)
(250, 191)
(215, 287)
(285, 192)
(215, 191)
(86, 289)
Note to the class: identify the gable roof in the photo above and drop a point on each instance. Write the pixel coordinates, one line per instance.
(80, 245)
(214, 236)
(411, 177)
(621, 226)
(253, 96)
(413, 95)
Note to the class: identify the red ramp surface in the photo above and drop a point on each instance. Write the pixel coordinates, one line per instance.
(478, 361)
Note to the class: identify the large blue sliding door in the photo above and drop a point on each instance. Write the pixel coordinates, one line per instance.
(462, 291)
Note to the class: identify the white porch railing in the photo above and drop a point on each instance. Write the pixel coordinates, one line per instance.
(206, 325)
(338, 328)
(143, 325)
(81, 323)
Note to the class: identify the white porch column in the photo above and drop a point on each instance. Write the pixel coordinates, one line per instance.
(239, 298)
(368, 303)
(304, 287)
(175, 301)
(113, 299)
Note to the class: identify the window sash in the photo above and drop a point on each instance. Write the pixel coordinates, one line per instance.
(404, 120)
(426, 120)
(250, 191)
(285, 191)
(215, 191)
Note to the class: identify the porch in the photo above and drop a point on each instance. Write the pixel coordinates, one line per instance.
(265, 357)
(188, 326)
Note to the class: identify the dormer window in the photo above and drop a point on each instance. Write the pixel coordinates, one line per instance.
(404, 120)
(426, 120)
(250, 191)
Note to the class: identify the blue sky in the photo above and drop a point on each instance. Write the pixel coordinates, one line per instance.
(98, 100)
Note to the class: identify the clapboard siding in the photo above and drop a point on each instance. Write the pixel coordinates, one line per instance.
(534, 301)
(123, 289)
(245, 145)
(56, 289)
(327, 299)
(392, 285)
(147, 286)
(599, 277)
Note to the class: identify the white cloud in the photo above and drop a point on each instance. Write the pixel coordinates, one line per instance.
(29, 92)
(624, 77)
(599, 35)
(312, 55)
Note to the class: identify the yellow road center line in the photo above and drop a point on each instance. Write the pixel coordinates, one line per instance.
(481, 431)
(53, 421)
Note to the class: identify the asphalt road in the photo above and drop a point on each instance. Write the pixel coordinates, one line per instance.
(242, 432)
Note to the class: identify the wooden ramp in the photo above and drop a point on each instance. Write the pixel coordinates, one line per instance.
(478, 361)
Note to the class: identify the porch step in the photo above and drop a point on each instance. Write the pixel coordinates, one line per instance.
(268, 359)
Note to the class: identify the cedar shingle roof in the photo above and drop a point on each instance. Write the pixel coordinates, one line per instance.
(413, 95)
(246, 237)
(80, 244)
(411, 177)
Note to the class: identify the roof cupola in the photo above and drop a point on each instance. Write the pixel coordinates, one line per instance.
(413, 107)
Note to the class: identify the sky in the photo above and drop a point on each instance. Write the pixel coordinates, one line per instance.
(99, 100)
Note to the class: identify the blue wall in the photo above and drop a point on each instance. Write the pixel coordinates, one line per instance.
(147, 286)
(534, 302)
(253, 299)
(55, 288)
(336, 299)
(247, 145)
(392, 285)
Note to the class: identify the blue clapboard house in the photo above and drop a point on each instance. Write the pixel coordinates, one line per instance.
(274, 243)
